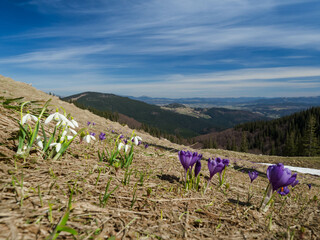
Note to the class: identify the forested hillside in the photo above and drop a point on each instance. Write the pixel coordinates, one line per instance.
(158, 121)
(294, 135)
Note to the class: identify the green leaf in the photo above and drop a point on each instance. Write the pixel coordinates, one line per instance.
(67, 229)
(45, 148)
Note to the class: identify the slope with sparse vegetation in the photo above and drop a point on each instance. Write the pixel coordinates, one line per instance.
(94, 191)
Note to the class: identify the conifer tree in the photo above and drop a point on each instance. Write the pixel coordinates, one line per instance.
(290, 147)
(310, 141)
(244, 143)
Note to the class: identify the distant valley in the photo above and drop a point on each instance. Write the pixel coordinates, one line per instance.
(268, 107)
(233, 128)
(176, 120)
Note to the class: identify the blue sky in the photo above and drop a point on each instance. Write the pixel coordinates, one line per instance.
(163, 48)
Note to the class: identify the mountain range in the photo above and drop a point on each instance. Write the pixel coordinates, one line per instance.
(134, 112)
(217, 127)
(268, 107)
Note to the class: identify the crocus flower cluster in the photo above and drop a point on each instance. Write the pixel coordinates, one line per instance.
(279, 180)
(90, 123)
(102, 136)
(279, 176)
(188, 160)
(217, 166)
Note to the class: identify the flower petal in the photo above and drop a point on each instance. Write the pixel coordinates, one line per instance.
(24, 119)
(34, 118)
(49, 119)
(126, 147)
(58, 147)
(120, 146)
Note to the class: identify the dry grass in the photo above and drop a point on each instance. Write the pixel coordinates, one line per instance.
(160, 207)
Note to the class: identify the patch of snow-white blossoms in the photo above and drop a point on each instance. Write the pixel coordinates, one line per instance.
(88, 137)
(57, 145)
(60, 138)
(74, 122)
(121, 145)
(59, 118)
(136, 140)
(27, 118)
(39, 142)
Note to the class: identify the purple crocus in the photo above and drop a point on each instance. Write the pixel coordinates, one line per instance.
(283, 191)
(88, 123)
(93, 123)
(195, 158)
(102, 136)
(217, 166)
(125, 141)
(92, 134)
(309, 185)
(121, 136)
(188, 159)
(197, 168)
(146, 146)
(253, 175)
(279, 176)
(295, 183)
(185, 159)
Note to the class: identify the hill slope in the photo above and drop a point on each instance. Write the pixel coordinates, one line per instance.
(164, 119)
(149, 204)
(294, 135)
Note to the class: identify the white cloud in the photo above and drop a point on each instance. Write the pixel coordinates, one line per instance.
(268, 82)
(133, 32)
(56, 54)
(254, 74)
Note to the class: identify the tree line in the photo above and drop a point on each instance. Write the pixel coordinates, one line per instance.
(294, 135)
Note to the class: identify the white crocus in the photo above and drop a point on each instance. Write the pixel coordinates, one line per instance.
(88, 138)
(73, 131)
(136, 140)
(121, 145)
(64, 135)
(126, 148)
(57, 145)
(27, 118)
(69, 138)
(21, 152)
(57, 117)
(65, 123)
(39, 142)
(74, 122)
